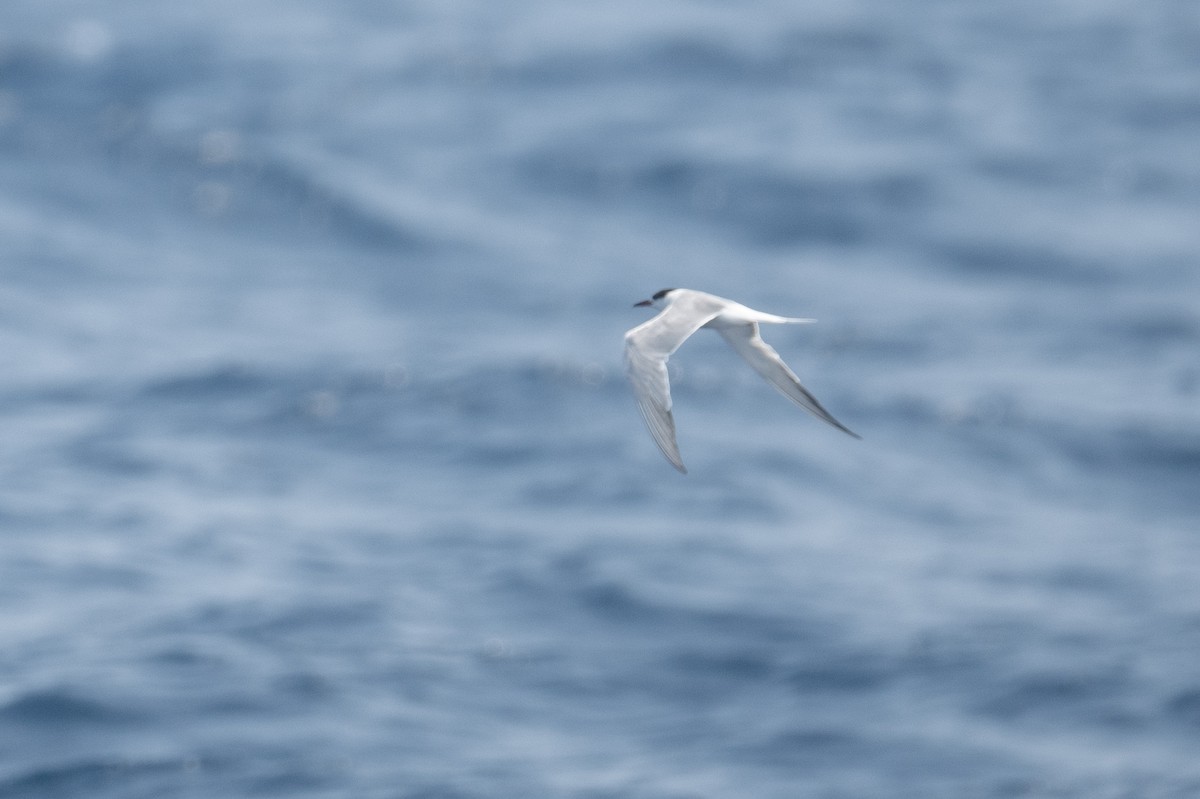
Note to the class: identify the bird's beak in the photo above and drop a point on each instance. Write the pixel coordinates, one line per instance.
(641, 304)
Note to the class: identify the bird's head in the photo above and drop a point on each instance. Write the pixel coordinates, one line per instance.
(659, 300)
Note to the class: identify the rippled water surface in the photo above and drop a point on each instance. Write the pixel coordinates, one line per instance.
(320, 477)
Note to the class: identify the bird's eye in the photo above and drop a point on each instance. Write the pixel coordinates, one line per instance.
(658, 295)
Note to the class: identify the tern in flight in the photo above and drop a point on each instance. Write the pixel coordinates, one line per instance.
(683, 312)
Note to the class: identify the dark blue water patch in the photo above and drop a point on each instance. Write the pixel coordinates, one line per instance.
(1081, 579)
(293, 779)
(778, 460)
(798, 57)
(833, 670)
(706, 60)
(1035, 169)
(735, 666)
(109, 454)
(131, 580)
(1164, 112)
(1150, 467)
(522, 389)
(682, 58)
(1184, 708)
(895, 348)
(814, 749)
(99, 779)
(1088, 175)
(1003, 261)
(1151, 330)
(990, 429)
(308, 621)
(768, 207)
(1161, 183)
(242, 683)
(63, 708)
(911, 410)
(515, 421)
(95, 119)
(221, 381)
(740, 501)
(53, 395)
(615, 602)
(1142, 461)
(245, 195)
(301, 688)
(715, 491)
(944, 769)
(187, 659)
(1080, 696)
(961, 657)
(47, 82)
(127, 441)
(1072, 581)
(259, 196)
(574, 590)
(777, 210)
(243, 399)
(290, 626)
(439, 791)
(980, 669)
(586, 487)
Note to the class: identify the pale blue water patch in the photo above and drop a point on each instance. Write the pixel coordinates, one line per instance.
(320, 476)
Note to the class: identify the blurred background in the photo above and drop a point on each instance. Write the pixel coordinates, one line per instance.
(320, 477)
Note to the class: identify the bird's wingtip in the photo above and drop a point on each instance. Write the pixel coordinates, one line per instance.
(844, 429)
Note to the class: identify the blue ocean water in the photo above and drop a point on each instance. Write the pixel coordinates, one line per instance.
(320, 477)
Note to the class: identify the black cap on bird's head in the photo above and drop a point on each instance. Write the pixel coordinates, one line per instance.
(658, 295)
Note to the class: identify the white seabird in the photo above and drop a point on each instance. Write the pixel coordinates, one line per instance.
(683, 312)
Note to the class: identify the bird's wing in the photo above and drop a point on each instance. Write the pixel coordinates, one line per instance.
(766, 361)
(647, 348)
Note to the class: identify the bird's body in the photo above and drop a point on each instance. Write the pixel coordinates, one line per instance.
(683, 312)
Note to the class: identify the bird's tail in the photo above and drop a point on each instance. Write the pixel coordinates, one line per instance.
(784, 320)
